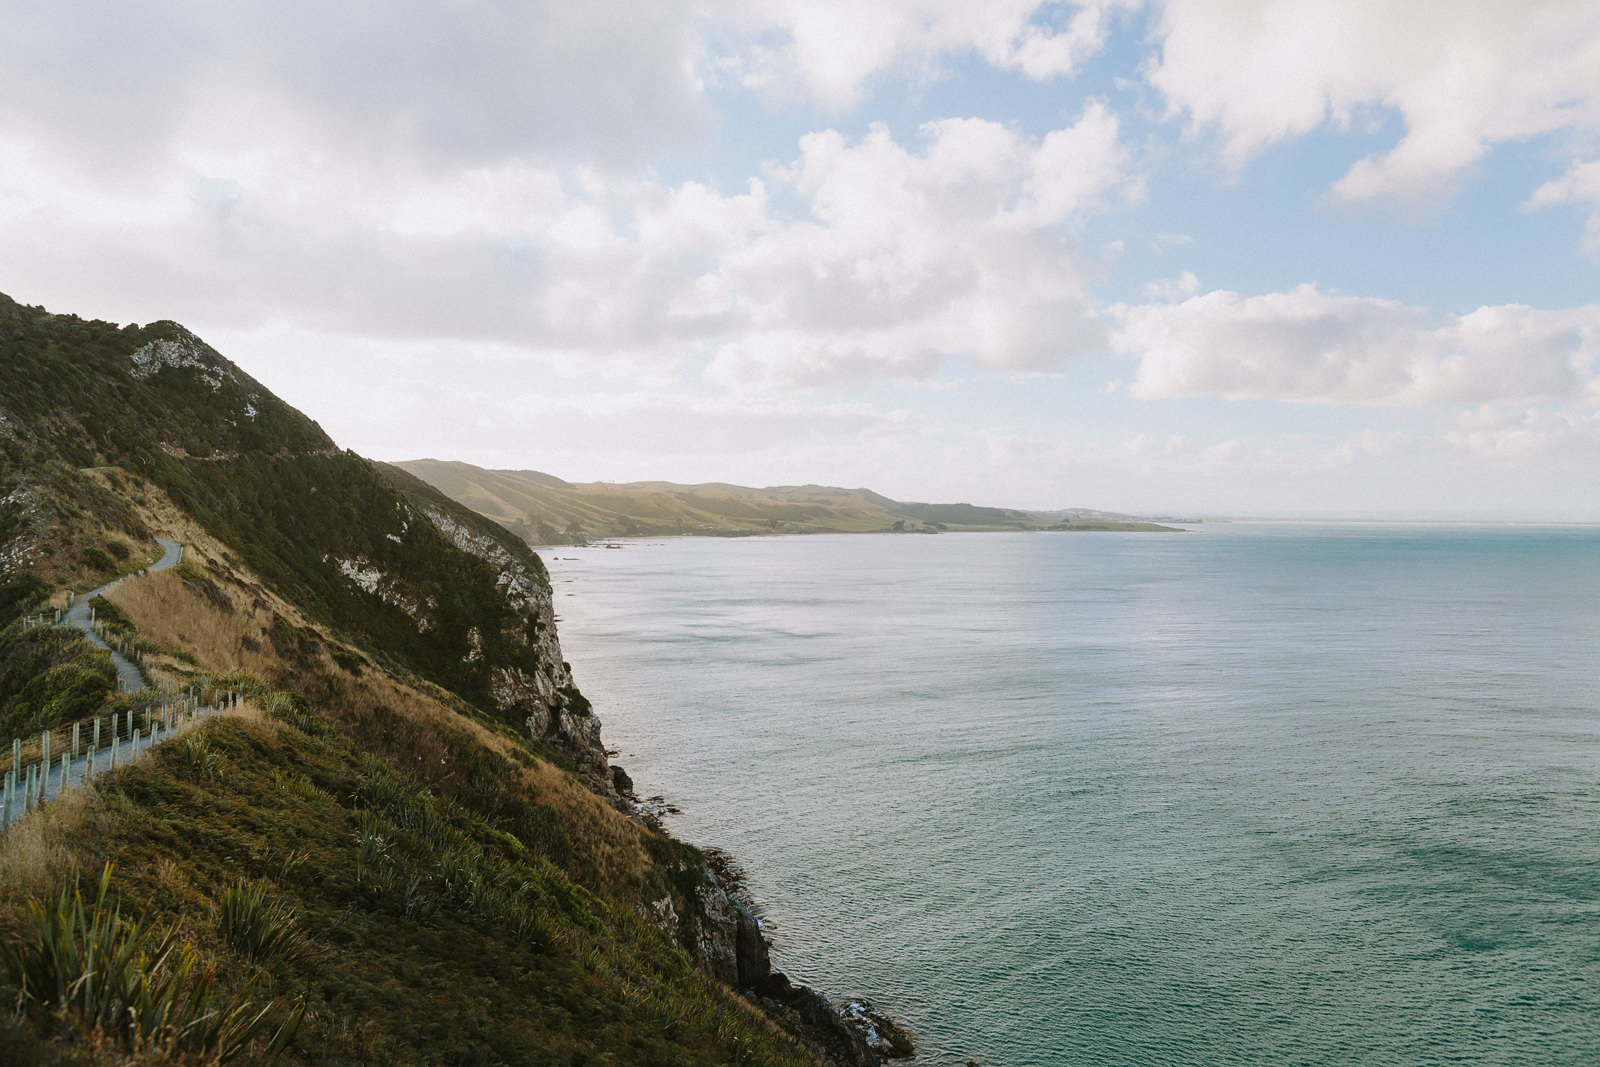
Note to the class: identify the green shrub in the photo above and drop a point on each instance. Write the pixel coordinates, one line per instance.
(255, 927)
(293, 709)
(98, 559)
(130, 983)
(195, 753)
(50, 675)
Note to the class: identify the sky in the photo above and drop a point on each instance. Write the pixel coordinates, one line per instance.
(1223, 257)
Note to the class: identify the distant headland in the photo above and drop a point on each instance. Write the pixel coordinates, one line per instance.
(546, 510)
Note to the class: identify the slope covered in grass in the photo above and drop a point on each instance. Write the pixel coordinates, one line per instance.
(410, 845)
(411, 929)
(546, 510)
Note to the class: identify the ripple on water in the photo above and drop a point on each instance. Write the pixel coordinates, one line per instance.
(1251, 795)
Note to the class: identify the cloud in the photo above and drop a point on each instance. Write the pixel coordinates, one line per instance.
(438, 85)
(880, 260)
(1463, 75)
(1308, 346)
(907, 257)
(1579, 185)
(829, 50)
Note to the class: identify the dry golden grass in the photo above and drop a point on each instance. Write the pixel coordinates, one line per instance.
(614, 842)
(411, 723)
(166, 611)
(41, 850)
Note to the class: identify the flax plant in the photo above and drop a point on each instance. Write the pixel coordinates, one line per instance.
(124, 980)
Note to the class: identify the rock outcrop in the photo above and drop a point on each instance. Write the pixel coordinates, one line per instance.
(553, 709)
(721, 930)
(729, 944)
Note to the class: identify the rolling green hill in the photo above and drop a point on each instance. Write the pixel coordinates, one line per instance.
(546, 510)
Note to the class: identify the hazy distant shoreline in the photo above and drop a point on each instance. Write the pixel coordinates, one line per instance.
(545, 510)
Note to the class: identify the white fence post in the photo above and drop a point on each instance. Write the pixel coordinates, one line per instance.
(75, 739)
(44, 748)
(5, 799)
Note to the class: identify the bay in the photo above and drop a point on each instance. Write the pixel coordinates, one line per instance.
(1250, 794)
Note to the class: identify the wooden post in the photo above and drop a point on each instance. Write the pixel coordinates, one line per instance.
(5, 799)
(16, 755)
(44, 749)
(66, 763)
(96, 732)
(115, 743)
(75, 739)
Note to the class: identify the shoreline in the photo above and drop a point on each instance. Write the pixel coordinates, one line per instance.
(852, 1033)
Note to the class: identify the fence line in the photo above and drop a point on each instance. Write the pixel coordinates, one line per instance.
(35, 775)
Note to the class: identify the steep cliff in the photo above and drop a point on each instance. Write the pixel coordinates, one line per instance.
(427, 789)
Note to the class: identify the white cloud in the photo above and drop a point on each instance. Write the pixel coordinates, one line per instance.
(1463, 75)
(831, 49)
(894, 258)
(1579, 185)
(1314, 347)
(907, 257)
(436, 84)
(1172, 289)
(1526, 437)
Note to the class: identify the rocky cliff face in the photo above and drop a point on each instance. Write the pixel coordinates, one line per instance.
(549, 702)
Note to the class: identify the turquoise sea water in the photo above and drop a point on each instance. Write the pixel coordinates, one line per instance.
(1253, 794)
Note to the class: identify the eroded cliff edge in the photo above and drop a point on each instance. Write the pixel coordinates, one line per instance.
(718, 928)
(416, 683)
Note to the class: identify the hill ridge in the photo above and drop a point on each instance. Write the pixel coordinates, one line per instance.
(545, 509)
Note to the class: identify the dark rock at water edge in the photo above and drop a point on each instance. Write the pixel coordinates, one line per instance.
(883, 1035)
(858, 1035)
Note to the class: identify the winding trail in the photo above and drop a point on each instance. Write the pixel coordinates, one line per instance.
(129, 680)
(126, 741)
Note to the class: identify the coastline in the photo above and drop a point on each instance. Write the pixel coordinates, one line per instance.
(731, 945)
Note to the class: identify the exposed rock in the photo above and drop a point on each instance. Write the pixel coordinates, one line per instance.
(729, 945)
(620, 780)
(662, 915)
(553, 709)
(815, 1020)
(187, 351)
(883, 1035)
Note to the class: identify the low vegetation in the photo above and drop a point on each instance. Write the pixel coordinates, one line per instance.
(371, 861)
(410, 928)
(101, 977)
(546, 510)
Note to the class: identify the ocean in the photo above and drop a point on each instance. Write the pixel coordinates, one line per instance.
(1248, 794)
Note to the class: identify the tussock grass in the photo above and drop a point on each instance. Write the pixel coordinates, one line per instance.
(429, 934)
(414, 724)
(83, 963)
(40, 850)
(613, 845)
(256, 926)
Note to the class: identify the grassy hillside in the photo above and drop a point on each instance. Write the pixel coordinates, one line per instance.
(408, 849)
(546, 510)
